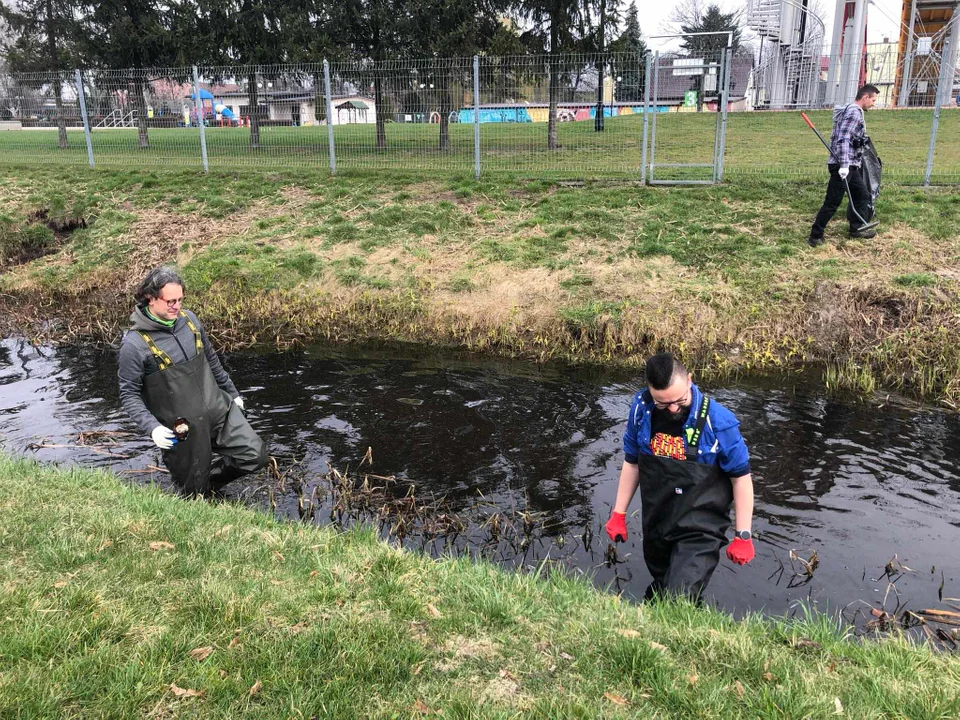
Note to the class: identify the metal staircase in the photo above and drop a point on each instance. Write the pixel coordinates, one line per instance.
(117, 119)
(791, 38)
(763, 16)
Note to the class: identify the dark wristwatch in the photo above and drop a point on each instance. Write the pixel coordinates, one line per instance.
(743, 534)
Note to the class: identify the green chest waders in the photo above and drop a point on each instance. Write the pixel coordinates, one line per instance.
(187, 390)
(686, 513)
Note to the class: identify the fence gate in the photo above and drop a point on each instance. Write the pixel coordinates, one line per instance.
(687, 117)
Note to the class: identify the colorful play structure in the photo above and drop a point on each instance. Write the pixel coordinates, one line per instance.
(212, 110)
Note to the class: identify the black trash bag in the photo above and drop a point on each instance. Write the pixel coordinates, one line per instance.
(871, 168)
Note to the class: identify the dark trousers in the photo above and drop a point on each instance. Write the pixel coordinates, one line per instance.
(836, 192)
(681, 567)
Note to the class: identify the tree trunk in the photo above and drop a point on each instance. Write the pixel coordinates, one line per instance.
(554, 90)
(446, 104)
(254, 100)
(552, 142)
(143, 140)
(378, 99)
(62, 141)
(598, 120)
(319, 98)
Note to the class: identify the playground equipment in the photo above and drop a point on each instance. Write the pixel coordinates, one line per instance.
(208, 104)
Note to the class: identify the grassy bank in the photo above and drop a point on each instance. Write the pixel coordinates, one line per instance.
(757, 143)
(599, 273)
(122, 602)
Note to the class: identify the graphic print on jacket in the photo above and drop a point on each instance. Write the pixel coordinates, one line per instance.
(666, 436)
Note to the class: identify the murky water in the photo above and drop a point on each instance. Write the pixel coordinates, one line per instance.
(857, 483)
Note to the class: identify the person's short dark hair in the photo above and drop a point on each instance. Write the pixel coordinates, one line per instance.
(153, 283)
(661, 369)
(867, 90)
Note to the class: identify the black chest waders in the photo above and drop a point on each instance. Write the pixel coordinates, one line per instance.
(188, 390)
(686, 513)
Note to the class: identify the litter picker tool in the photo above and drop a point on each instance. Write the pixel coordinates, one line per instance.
(864, 225)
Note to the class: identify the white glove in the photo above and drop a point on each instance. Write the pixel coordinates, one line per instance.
(239, 402)
(843, 172)
(163, 437)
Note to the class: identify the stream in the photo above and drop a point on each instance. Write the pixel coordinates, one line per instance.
(520, 464)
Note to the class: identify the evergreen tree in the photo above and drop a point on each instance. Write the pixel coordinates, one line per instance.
(630, 60)
(236, 32)
(128, 36)
(606, 17)
(711, 19)
(444, 29)
(692, 18)
(42, 39)
(560, 26)
(377, 30)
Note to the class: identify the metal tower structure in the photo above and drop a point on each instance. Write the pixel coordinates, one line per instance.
(929, 41)
(847, 52)
(791, 45)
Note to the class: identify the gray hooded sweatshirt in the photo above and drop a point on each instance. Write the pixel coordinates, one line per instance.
(136, 361)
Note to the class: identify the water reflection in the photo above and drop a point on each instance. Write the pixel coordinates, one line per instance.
(857, 483)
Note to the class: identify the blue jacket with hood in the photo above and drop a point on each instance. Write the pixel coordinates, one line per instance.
(720, 443)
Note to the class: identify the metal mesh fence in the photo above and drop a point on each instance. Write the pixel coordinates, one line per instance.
(659, 116)
(266, 115)
(40, 119)
(687, 96)
(142, 117)
(596, 106)
(405, 115)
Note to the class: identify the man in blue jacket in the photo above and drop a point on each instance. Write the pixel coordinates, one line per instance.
(685, 453)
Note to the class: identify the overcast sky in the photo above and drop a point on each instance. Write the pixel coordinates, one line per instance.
(883, 17)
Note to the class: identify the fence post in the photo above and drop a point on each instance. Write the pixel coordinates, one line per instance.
(726, 101)
(329, 100)
(721, 69)
(653, 122)
(946, 76)
(83, 114)
(646, 116)
(476, 117)
(198, 104)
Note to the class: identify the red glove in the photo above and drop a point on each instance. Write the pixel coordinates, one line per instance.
(740, 551)
(617, 527)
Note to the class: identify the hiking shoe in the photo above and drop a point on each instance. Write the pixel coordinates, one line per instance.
(814, 241)
(865, 234)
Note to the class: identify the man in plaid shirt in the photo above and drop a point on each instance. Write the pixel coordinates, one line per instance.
(846, 152)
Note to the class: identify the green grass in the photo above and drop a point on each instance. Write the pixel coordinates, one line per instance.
(600, 272)
(122, 602)
(777, 144)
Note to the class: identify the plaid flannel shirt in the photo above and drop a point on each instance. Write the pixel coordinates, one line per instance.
(848, 125)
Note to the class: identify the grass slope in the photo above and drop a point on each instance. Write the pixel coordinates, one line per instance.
(122, 602)
(600, 273)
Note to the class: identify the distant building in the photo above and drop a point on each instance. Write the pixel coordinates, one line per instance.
(298, 107)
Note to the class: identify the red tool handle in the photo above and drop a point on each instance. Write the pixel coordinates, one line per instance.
(817, 132)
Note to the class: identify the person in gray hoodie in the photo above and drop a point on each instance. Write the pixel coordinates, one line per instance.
(175, 389)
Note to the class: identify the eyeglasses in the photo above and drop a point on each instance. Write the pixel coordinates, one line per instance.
(667, 405)
(173, 303)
